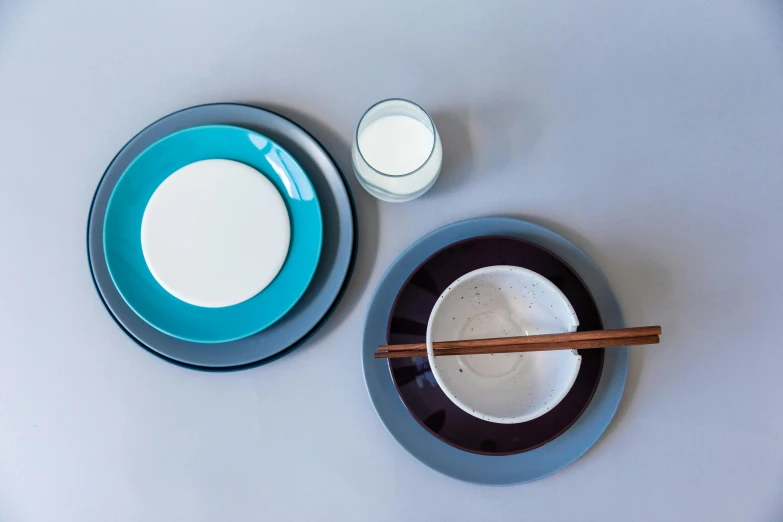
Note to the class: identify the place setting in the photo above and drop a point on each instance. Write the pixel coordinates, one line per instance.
(222, 237)
(493, 351)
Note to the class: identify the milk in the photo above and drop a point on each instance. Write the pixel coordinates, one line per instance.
(396, 144)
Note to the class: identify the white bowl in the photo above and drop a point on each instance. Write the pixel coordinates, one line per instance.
(503, 301)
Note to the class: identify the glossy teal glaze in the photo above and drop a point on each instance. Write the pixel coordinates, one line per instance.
(122, 234)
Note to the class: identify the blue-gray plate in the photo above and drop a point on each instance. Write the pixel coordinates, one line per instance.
(328, 283)
(473, 467)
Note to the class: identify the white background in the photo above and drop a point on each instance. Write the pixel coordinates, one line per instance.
(648, 132)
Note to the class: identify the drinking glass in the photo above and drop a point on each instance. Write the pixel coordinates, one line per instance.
(396, 153)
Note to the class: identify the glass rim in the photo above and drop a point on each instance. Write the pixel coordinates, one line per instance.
(429, 119)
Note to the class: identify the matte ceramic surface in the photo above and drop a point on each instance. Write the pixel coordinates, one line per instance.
(416, 384)
(122, 238)
(503, 301)
(472, 467)
(215, 233)
(329, 281)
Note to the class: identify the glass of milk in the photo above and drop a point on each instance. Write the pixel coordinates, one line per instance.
(396, 152)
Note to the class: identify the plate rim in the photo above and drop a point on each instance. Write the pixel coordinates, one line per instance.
(346, 278)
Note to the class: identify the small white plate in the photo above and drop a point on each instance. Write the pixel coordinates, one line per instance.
(503, 301)
(215, 233)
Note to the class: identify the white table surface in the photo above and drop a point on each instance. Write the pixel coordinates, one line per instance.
(649, 132)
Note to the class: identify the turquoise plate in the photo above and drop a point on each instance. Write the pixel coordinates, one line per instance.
(122, 234)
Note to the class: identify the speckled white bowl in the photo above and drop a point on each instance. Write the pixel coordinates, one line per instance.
(503, 301)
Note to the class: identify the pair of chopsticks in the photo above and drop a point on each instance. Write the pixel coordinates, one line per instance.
(530, 343)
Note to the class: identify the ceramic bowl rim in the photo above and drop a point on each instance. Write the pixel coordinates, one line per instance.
(442, 382)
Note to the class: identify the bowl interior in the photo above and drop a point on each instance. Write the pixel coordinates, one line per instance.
(503, 301)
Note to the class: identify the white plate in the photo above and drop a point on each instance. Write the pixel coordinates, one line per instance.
(503, 301)
(215, 233)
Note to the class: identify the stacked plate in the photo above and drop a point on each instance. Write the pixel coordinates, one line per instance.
(221, 237)
(421, 407)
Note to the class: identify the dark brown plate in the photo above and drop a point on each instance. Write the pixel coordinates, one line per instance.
(417, 386)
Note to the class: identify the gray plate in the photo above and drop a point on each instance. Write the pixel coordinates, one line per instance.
(327, 286)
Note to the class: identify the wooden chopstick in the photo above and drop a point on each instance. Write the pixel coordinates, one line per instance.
(619, 333)
(518, 348)
(532, 343)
